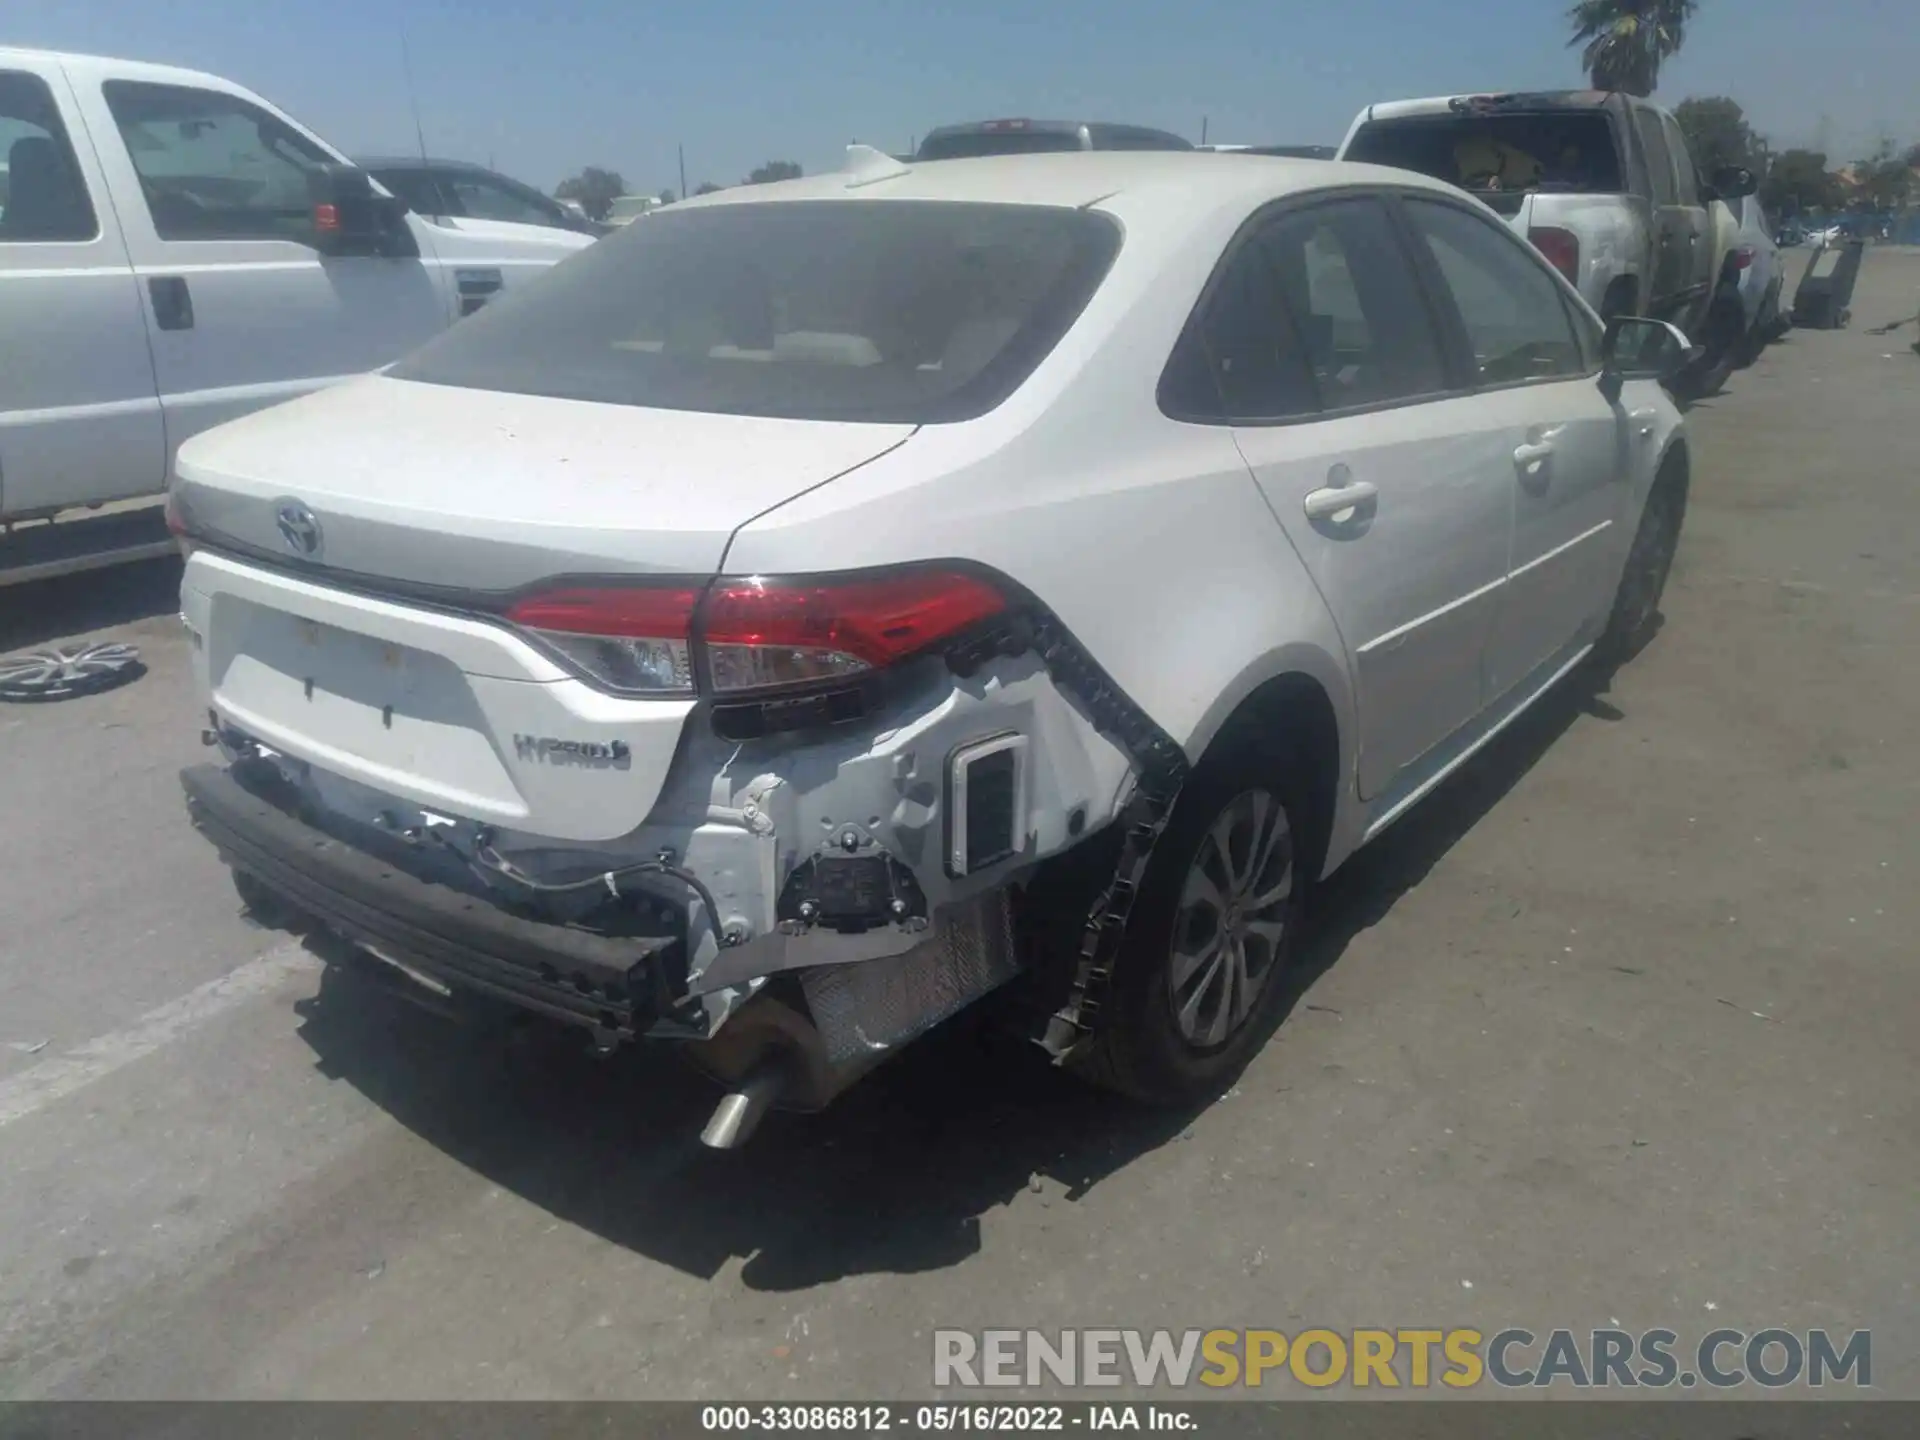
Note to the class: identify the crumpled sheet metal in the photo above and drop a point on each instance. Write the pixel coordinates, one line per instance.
(880, 1004)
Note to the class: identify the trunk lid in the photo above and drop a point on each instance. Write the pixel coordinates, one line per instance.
(401, 707)
(476, 490)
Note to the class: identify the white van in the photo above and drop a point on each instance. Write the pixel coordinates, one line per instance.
(175, 252)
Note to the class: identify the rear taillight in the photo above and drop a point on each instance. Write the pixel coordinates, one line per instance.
(176, 518)
(757, 634)
(1561, 247)
(761, 633)
(1743, 257)
(631, 637)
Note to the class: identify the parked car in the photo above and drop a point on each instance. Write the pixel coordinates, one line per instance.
(174, 252)
(1031, 137)
(459, 196)
(833, 600)
(1295, 152)
(629, 208)
(1759, 277)
(1602, 183)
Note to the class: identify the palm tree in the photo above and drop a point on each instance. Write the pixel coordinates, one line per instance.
(1627, 39)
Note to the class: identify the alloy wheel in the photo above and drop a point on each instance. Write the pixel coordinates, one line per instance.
(1231, 924)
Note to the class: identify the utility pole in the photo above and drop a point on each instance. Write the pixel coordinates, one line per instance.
(683, 170)
(1203, 129)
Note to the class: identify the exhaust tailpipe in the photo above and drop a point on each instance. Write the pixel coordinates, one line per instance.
(740, 1111)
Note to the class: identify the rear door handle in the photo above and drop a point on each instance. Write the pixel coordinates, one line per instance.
(1526, 456)
(1336, 502)
(172, 301)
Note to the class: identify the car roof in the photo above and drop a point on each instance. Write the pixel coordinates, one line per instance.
(122, 69)
(416, 162)
(1080, 179)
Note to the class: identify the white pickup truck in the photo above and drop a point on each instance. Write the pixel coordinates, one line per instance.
(175, 252)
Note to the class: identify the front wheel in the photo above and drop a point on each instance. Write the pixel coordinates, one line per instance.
(1201, 974)
(1635, 617)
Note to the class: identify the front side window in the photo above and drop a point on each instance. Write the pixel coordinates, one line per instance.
(214, 167)
(480, 197)
(894, 311)
(42, 195)
(417, 187)
(1354, 304)
(1515, 317)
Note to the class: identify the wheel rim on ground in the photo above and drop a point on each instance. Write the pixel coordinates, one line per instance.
(63, 671)
(1231, 923)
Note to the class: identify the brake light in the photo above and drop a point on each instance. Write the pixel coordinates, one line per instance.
(756, 633)
(760, 633)
(176, 518)
(326, 219)
(1743, 257)
(631, 637)
(1561, 247)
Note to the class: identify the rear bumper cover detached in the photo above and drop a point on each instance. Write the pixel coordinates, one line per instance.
(612, 985)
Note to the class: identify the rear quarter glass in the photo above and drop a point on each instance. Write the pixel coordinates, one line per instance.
(888, 311)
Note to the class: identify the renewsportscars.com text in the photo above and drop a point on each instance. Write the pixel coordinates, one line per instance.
(1458, 1359)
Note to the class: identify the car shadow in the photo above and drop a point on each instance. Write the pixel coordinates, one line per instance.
(47, 611)
(896, 1176)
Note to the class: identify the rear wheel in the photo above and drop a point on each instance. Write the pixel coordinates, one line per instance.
(1643, 582)
(1201, 974)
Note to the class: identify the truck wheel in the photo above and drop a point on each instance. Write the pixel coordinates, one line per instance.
(1636, 604)
(1202, 972)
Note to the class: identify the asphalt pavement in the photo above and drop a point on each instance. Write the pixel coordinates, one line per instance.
(1617, 1029)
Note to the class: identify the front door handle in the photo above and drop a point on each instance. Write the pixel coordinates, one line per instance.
(1337, 502)
(172, 301)
(1527, 456)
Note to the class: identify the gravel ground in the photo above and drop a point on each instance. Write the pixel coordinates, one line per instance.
(1617, 1029)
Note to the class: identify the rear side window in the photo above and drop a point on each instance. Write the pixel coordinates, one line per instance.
(1570, 151)
(213, 166)
(1515, 317)
(42, 195)
(1318, 311)
(908, 312)
(1353, 301)
(1239, 359)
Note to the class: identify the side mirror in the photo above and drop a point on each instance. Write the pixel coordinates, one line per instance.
(1636, 348)
(351, 218)
(1733, 182)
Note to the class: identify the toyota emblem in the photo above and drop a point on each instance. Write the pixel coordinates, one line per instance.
(298, 528)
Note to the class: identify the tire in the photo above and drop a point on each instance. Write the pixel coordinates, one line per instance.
(1635, 617)
(1175, 1033)
(1726, 325)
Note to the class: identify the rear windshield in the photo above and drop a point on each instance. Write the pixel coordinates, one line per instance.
(1563, 150)
(879, 310)
(967, 144)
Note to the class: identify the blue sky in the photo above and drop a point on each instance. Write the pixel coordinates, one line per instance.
(543, 89)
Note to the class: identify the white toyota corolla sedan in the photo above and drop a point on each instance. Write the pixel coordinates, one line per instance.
(829, 602)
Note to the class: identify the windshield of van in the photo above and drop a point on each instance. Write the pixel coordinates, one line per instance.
(893, 311)
(1564, 150)
(968, 144)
